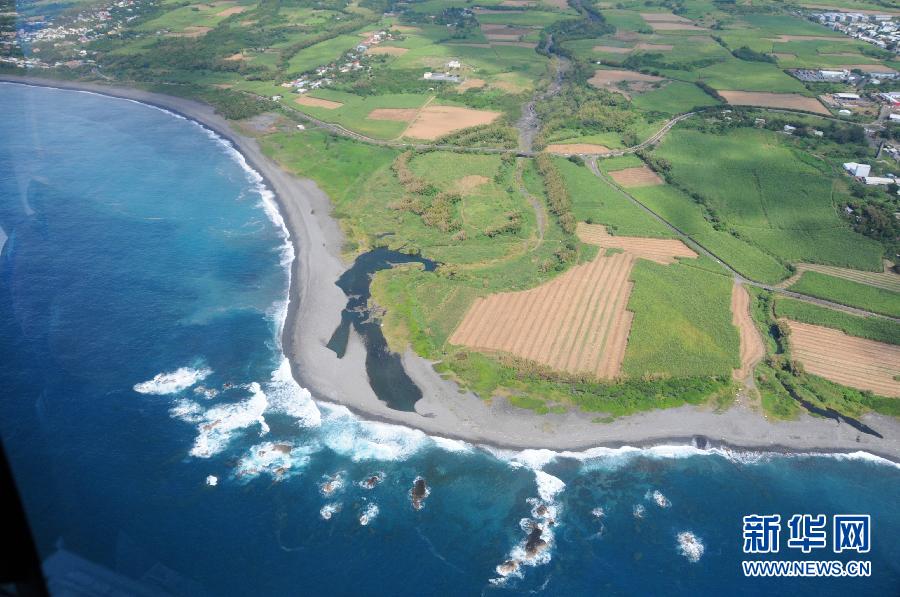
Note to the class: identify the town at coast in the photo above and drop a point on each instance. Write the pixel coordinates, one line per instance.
(314, 310)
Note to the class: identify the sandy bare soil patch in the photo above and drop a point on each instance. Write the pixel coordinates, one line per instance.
(870, 68)
(847, 360)
(236, 57)
(663, 17)
(752, 347)
(612, 49)
(606, 77)
(888, 280)
(676, 27)
(437, 121)
(398, 114)
(467, 184)
(234, 10)
(793, 101)
(519, 44)
(641, 176)
(193, 31)
(502, 36)
(577, 148)
(654, 47)
(787, 38)
(314, 102)
(470, 84)
(627, 36)
(386, 50)
(509, 86)
(575, 323)
(660, 250)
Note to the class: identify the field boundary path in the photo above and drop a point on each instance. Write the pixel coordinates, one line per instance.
(752, 349)
(688, 240)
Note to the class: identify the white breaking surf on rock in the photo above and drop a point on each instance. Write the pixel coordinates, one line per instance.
(690, 546)
(173, 381)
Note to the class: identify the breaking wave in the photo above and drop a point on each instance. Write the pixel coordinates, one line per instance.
(172, 382)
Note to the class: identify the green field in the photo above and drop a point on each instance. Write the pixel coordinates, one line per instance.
(678, 331)
(873, 328)
(687, 215)
(676, 97)
(354, 112)
(778, 198)
(848, 293)
(597, 202)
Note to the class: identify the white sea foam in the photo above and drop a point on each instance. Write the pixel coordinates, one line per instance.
(279, 460)
(187, 410)
(220, 422)
(331, 484)
(329, 510)
(548, 486)
(452, 445)
(367, 440)
(658, 498)
(172, 382)
(287, 397)
(638, 510)
(212, 480)
(598, 512)
(690, 546)
(369, 514)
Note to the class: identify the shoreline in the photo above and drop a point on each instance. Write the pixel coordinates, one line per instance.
(314, 310)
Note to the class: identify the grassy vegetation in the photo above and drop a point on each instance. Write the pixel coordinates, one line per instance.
(774, 196)
(873, 328)
(597, 202)
(848, 293)
(677, 331)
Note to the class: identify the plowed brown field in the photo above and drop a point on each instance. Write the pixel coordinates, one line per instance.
(642, 176)
(752, 348)
(847, 360)
(660, 250)
(793, 101)
(305, 100)
(437, 121)
(579, 148)
(577, 322)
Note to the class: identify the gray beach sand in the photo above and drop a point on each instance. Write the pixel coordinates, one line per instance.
(315, 309)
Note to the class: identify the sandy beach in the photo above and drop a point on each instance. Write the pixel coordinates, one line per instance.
(315, 309)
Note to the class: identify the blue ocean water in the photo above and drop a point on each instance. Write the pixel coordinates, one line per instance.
(154, 429)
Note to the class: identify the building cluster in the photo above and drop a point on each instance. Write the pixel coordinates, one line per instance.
(844, 75)
(353, 60)
(879, 30)
(66, 37)
(862, 173)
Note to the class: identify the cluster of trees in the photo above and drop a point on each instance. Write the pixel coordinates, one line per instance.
(557, 194)
(511, 225)
(488, 135)
(435, 208)
(875, 219)
(585, 110)
(747, 53)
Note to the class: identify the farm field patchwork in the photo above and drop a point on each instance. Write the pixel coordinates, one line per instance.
(774, 196)
(578, 322)
(887, 280)
(854, 362)
(874, 328)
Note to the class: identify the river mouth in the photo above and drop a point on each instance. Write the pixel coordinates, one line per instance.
(387, 377)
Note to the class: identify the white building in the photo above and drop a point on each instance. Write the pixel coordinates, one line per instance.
(860, 170)
(878, 180)
(847, 96)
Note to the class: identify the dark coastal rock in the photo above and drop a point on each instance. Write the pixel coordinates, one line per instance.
(535, 543)
(371, 482)
(418, 493)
